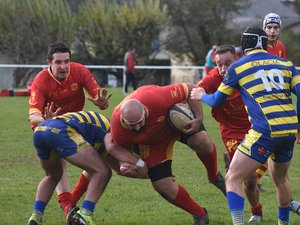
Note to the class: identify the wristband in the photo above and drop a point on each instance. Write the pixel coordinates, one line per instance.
(140, 163)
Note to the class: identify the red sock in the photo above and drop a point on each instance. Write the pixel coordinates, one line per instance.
(257, 210)
(231, 154)
(184, 201)
(79, 189)
(65, 200)
(261, 171)
(210, 162)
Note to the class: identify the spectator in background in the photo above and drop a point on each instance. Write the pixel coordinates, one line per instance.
(210, 62)
(129, 70)
(60, 89)
(272, 26)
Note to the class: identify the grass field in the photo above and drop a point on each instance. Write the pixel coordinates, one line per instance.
(126, 201)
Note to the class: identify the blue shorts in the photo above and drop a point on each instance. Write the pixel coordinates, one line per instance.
(259, 147)
(54, 138)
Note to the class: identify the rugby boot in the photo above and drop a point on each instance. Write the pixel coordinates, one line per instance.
(295, 206)
(201, 220)
(255, 219)
(35, 219)
(80, 219)
(219, 182)
(69, 218)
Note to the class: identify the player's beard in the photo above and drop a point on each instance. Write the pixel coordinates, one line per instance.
(272, 39)
(140, 129)
(62, 75)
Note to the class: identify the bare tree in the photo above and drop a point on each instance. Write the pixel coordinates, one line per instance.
(198, 24)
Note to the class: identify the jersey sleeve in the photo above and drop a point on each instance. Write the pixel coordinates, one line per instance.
(295, 77)
(226, 88)
(296, 89)
(215, 99)
(284, 53)
(209, 83)
(37, 97)
(89, 82)
(230, 82)
(174, 93)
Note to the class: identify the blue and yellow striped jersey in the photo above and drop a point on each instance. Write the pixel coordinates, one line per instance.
(265, 82)
(91, 125)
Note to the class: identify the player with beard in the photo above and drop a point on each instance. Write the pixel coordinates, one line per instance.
(140, 122)
(233, 119)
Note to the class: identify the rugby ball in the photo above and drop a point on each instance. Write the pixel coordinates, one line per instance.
(179, 114)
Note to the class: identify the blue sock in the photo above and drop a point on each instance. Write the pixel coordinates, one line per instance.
(39, 206)
(236, 207)
(284, 214)
(88, 205)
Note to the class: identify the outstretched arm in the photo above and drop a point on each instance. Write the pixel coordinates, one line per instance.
(36, 118)
(101, 100)
(213, 100)
(296, 91)
(48, 111)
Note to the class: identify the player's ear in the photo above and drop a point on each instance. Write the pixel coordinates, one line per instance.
(49, 61)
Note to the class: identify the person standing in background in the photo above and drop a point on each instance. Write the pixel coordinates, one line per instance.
(129, 70)
(210, 62)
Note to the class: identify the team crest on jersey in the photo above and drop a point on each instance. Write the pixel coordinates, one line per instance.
(174, 93)
(74, 86)
(261, 150)
(32, 98)
(161, 118)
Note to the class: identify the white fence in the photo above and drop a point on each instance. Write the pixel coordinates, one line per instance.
(103, 66)
(6, 70)
(6, 79)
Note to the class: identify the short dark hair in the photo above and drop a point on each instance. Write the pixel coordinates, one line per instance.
(225, 48)
(57, 47)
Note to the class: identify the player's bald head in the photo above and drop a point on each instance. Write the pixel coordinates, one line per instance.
(132, 110)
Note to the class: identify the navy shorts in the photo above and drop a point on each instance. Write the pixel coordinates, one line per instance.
(259, 147)
(54, 138)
